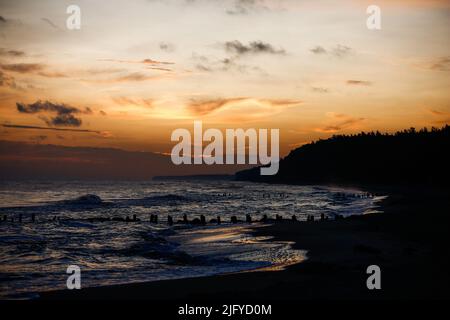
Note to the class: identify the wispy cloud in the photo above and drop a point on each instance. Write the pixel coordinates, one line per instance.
(359, 83)
(32, 68)
(338, 51)
(280, 102)
(11, 53)
(51, 24)
(440, 64)
(236, 51)
(339, 122)
(243, 7)
(318, 50)
(160, 69)
(167, 46)
(18, 126)
(124, 101)
(22, 67)
(147, 61)
(135, 76)
(320, 89)
(442, 117)
(203, 107)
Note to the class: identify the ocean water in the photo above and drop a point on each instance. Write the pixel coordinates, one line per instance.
(34, 256)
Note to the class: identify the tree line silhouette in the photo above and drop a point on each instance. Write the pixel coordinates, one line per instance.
(407, 157)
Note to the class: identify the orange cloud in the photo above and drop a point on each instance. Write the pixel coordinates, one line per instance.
(203, 107)
(123, 101)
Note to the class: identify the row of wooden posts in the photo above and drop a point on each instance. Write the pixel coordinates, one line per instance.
(185, 220)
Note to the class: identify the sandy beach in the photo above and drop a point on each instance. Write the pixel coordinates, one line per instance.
(408, 240)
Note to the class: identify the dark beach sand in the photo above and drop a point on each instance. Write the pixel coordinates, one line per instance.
(409, 241)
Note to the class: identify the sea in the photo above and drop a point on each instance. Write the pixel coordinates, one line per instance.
(104, 228)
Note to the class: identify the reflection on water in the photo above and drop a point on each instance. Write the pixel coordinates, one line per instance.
(34, 256)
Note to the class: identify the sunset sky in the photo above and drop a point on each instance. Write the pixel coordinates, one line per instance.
(137, 70)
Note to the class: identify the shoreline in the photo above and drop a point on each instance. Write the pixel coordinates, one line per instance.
(407, 240)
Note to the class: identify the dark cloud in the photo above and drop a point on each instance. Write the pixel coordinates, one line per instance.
(233, 62)
(359, 83)
(64, 113)
(253, 47)
(18, 126)
(2, 20)
(66, 120)
(40, 106)
(226, 64)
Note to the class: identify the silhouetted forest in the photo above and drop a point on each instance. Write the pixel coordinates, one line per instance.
(407, 157)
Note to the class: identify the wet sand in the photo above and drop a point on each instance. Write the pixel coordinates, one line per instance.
(409, 241)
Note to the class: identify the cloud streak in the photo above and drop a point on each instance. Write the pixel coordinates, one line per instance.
(124, 101)
(340, 122)
(22, 67)
(244, 7)
(204, 107)
(147, 61)
(18, 126)
(339, 51)
(51, 24)
(11, 53)
(358, 83)
(440, 64)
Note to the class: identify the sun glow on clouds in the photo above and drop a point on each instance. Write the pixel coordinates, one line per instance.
(309, 68)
